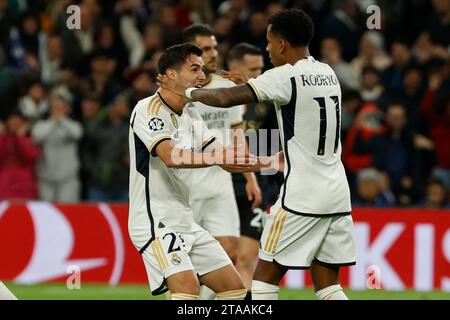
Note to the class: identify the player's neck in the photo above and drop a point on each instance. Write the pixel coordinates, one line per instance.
(173, 101)
(296, 54)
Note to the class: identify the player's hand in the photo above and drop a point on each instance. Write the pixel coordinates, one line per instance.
(237, 78)
(170, 84)
(236, 158)
(253, 193)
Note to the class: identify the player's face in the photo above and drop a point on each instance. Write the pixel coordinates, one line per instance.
(191, 72)
(210, 56)
(273, 47)
(252, 65)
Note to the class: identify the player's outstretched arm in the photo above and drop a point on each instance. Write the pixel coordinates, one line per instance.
(174, 157)
(224, 97)
(220, 97)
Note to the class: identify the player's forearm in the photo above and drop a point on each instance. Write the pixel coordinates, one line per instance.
(224, 97)
(185, 159)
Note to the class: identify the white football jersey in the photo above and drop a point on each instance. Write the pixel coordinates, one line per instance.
(307, 98)
(219, 121)
(159, 196)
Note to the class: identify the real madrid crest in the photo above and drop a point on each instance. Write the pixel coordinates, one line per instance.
(174, 120)
(176, 260)
(156, 124)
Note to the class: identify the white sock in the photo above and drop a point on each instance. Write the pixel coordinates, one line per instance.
(5, 294)
(264, 291)
(206, 293)
(232, 295)
(334, 292)
(183, 296)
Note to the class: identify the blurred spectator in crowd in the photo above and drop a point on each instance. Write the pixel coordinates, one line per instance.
(169, 24)
(411, 98)
(152, 42)
(369, 190)
(438, 23)
(371, 52)
(8, 80)
(29, 35)
(238, 7)
(58, 166)
(100, 80)
(109, 176)
(91, 117)
(51, 59)
(34, 105)
(371, 89)
(392, 77)
(18, 157)
(79, 42)
(436, 195)
(351, 102)
(436, 111)
(142, 85)
(331, 52)
(397, 154)
(360, 147)
(193, 11)
(425, 49)
(6, 22)
(342, 24)
(106, 39)
(255, 33)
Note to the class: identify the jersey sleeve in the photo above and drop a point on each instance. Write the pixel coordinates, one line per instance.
(152, 129)
(273, 85)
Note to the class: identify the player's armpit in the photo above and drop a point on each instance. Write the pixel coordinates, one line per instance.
(225, 97)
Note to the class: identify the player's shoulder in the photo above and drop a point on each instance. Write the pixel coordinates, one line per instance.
(151, 106)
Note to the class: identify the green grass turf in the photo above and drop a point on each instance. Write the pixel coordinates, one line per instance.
(141, 292)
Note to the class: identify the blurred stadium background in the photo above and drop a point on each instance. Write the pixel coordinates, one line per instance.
(395, 121)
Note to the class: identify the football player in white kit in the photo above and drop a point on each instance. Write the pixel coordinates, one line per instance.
(166, 140)
(310, 226)
(213, 200)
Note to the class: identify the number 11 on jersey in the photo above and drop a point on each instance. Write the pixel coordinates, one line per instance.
(323, 124)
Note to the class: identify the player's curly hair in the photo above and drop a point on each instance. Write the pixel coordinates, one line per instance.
(293, 25)
(176, 55)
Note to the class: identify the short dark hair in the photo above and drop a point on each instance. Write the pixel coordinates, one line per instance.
(176, 55)
(197, 29)
(241, 49)
(293, 25)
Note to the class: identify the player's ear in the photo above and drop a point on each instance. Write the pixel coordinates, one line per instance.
(171, 73)
(282, 46)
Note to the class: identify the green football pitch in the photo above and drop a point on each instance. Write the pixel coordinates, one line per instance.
(141, 292)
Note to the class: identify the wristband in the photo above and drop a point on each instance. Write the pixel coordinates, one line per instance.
(188, 93)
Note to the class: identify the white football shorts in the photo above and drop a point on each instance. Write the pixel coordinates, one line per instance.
(295, 241)
(172, 252)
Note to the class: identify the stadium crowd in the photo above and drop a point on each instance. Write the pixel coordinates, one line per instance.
(66, 95)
